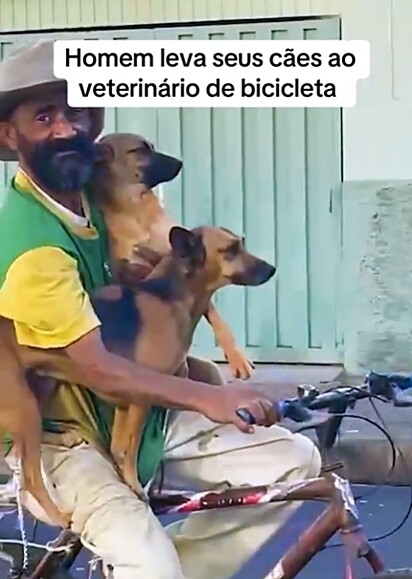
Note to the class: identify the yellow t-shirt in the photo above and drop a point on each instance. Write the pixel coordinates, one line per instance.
(43, 294)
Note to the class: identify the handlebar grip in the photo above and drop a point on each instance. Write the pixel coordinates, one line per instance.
(292, 409)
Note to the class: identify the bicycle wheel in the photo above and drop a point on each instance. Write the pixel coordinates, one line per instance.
(11, 558)
(394, 574)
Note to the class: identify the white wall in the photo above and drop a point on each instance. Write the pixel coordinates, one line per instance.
(378, 130)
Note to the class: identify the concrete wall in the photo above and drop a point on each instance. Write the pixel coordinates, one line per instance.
(376, 276)
(376, 305)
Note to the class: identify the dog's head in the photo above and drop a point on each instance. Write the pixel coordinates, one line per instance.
(129, 162)
(218, 257)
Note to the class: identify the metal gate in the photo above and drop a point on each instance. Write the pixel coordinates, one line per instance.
(270, 174)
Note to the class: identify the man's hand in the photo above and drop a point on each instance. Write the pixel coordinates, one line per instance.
(131, 274)
(115, 378)
(221, 406)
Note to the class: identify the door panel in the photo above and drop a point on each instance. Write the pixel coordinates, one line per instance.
(266, 173)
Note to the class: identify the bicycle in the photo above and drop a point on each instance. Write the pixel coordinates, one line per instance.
(340, 516)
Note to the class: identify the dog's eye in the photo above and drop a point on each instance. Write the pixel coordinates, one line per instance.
(233, 250)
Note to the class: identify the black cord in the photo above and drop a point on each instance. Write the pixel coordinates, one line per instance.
(391, 443)
(394, 448)
(407, 469)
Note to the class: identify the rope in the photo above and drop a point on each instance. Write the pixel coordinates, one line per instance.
(20, 516)
(93, 566)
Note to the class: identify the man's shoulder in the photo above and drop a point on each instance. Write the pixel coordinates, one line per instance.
(24, 226)
(19, 209)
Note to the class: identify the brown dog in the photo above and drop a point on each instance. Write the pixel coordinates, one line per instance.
(130, 168)
(122, 186)
(20, 415)
(178, 291)
(20, 418)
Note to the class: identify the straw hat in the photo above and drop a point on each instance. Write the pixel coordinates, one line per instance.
(26, 73)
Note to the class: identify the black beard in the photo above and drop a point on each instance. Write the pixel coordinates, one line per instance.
(68, 173)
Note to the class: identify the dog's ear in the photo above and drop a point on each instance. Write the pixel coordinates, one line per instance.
(188, 246)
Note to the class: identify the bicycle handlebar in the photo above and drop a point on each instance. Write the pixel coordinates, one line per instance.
(395, 388)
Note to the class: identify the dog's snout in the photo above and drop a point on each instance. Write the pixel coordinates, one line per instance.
(257, 273)
(161, 169)
(261, 273)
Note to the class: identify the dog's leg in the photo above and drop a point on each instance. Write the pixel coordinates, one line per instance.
(134, 426)
(119, 439)
(20, 416)
(126, 432)
(202, 370)
(28, 446)
(240, 366)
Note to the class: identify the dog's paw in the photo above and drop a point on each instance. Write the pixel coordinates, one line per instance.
(239, 365)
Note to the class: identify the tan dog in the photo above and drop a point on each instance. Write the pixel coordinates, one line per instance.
(20, 418)
(152, 322)
(124, 176)
(135, 218)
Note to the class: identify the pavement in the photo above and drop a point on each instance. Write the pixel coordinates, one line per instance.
(364, 449)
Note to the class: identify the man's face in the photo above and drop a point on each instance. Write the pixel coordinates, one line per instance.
(52, 141)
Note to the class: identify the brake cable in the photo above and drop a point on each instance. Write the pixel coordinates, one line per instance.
(395, 450)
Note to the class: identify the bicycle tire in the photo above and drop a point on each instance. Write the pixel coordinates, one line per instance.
(11, 550)
(392, 574)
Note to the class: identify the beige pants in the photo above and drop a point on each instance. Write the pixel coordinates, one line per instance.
(122, 530)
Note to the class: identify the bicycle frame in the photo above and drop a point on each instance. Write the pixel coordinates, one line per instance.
(339, 516)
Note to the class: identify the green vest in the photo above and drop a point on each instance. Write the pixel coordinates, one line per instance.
(26, 224)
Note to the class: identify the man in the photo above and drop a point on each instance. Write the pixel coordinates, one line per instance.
(53, 255)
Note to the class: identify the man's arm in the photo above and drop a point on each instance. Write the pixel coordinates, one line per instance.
(44, 296)
(115, 377)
